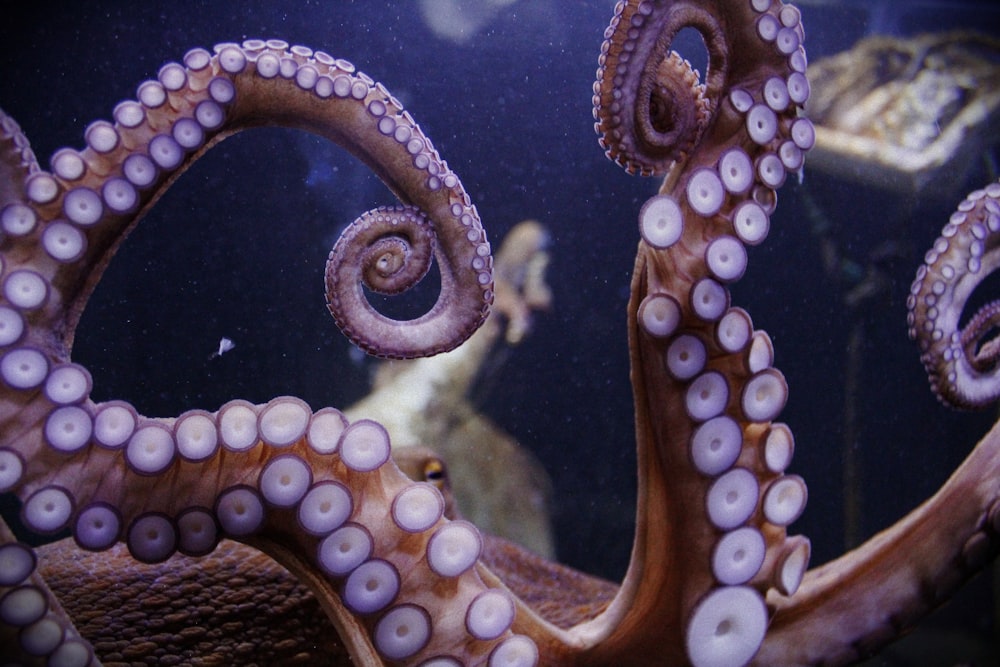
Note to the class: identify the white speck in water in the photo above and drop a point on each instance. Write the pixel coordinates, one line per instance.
(225, 344)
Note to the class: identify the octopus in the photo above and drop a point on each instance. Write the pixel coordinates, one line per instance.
(714, 578)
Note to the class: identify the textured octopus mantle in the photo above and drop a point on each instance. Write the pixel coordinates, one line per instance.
(714, 580)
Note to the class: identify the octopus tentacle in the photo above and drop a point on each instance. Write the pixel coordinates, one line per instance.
(34, 628)
(669, 114)
(963, 363)
(714, 578)
(706, 393)
(388, 251)
(923, 558)
(852, 606)
(95, 194)
(269, 616)
(306, 487)
(318, 505)
(927, 555)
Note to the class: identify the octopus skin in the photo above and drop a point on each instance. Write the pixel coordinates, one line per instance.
(714, 578)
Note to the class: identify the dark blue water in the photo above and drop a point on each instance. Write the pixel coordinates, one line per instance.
(237, 248)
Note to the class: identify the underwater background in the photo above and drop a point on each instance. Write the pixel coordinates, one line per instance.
(237, 248)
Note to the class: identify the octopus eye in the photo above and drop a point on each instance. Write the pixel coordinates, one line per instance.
(435, 473)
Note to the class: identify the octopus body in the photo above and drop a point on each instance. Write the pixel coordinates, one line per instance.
(714, 579)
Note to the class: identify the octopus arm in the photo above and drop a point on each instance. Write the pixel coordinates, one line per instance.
(307, 487)
(107, 187)
(852, 606)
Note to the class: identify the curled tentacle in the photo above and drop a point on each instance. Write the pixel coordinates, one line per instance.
(983, 353)
(389, 250)
(401, 253)
(90, 197)
(668, 113)
(962, 362)
(707, 395)
(316, 493)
